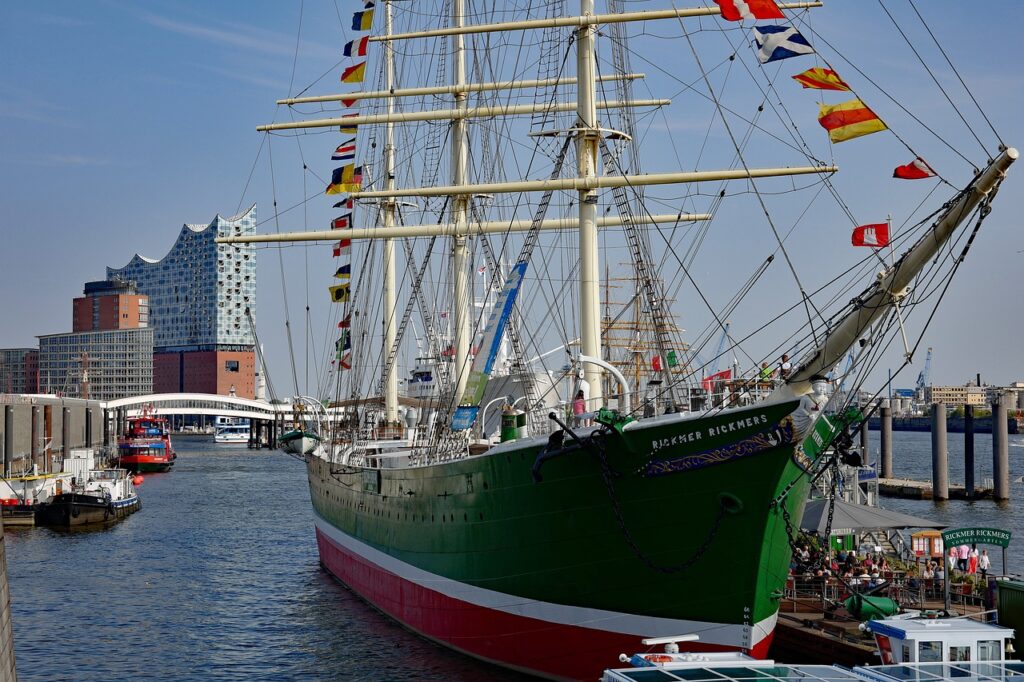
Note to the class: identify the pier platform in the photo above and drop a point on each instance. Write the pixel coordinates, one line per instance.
(922, 490)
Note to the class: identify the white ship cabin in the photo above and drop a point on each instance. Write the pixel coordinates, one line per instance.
(941, 640)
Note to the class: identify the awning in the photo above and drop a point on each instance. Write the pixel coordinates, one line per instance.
(850, 517)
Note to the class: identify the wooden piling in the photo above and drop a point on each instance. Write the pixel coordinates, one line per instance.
(969, 451)
(940, 455)
(886, 434)
(1000, 450)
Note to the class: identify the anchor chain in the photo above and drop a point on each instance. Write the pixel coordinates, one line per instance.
(608, 476)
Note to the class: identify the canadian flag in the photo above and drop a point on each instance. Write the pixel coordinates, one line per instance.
(738, 10)
(871, 235)
(915, 170)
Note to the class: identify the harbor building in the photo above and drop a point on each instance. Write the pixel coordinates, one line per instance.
(19, 370)
(202, 308)
(955, 395)
(110, 304)
(99, 365)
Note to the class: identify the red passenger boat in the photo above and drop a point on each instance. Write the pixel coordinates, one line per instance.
(146, 444)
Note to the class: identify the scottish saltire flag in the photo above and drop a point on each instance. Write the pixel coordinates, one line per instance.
(779, 42)
(346, 151)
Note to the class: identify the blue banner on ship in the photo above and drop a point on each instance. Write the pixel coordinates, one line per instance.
(483, 363)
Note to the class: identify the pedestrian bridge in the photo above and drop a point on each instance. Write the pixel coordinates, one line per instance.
(166, 404)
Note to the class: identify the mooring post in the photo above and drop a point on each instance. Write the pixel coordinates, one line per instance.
(969, 451)
(886, 462)
(34, 434)
(47, 438)
(65, 432)
(940, 456)
(864, 448)
(8, 439)
(88, 427)
(1000, 450)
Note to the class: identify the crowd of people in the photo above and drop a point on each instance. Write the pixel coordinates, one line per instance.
(871, 569)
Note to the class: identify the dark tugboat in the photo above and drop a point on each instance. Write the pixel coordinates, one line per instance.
(106, 497)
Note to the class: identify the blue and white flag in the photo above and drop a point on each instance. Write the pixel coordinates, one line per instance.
(779, 42)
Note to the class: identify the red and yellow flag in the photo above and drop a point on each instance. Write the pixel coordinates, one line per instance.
(354, 74)
(848, 120)
(821, 79)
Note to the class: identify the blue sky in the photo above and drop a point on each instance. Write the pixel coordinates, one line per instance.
(125, 120)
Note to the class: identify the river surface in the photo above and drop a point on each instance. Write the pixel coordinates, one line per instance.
(912, 458)
(217, 578)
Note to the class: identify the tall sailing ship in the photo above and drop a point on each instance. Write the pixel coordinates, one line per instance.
(558, 547)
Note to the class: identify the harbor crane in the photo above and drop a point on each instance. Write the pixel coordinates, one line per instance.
(924, 376)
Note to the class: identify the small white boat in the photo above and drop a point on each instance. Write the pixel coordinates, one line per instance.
(231, 431)
(910, 648)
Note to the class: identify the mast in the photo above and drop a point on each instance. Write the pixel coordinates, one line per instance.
(390, 302)
(892, 283)
(460, 252)
(586, 153)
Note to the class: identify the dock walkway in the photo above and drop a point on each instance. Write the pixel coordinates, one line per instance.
(922, 490)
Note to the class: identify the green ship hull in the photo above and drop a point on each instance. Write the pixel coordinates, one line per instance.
(668, 528)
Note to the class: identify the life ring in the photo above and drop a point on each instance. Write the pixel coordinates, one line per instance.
(658, 658)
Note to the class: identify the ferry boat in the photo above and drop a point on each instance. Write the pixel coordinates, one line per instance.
(145, 445)
(630, 520)
(228, 431)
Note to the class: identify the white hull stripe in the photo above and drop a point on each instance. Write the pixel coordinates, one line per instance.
(731, 635)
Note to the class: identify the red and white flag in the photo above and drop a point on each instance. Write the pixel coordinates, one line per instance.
(915, 170)
(738, 10)
(708, 382)
(875, 236)
(346, 323)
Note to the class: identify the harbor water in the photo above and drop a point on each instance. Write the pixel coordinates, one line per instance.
(912, 458)
(217, 578)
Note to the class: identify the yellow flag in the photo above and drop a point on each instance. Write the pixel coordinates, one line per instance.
(848, 120)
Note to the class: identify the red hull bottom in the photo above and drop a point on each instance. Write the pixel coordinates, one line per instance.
(531, 645)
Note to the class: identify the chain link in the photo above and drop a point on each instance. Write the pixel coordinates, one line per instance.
(608, 476)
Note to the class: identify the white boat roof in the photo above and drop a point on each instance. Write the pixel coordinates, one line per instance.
(987, 671)
(924, 628)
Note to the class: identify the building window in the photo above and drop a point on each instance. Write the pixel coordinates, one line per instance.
(231, 365)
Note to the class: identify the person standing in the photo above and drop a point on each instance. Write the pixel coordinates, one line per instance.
(952, 559)
(785, 367)
(972, 560)
(984, 563)
(579, 408)
(963, 554)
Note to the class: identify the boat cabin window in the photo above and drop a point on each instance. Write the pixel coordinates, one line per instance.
(929, 652)
(959, 653)
(990, 650)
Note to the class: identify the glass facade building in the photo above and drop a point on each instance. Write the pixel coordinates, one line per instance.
(19, 370)
(113, 363)
(200, 293)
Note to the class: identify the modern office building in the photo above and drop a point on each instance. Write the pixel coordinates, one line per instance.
(110, 305)
(100, 365)
(19, 370)
(202, 305)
